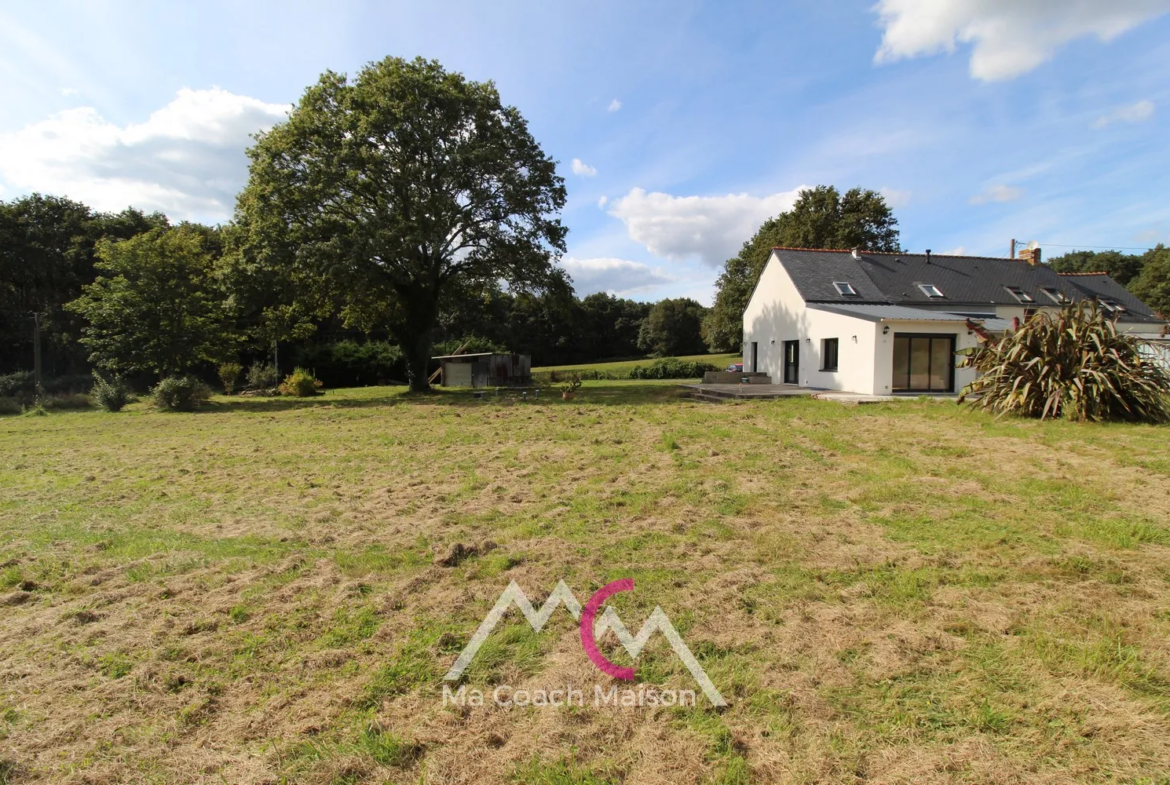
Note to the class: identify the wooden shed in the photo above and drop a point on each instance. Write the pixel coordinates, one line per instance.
(485, 369)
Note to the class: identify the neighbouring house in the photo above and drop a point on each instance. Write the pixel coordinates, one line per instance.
(886, 323)
(485, 369)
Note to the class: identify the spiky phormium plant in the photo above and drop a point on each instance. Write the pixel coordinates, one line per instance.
(1073, 364)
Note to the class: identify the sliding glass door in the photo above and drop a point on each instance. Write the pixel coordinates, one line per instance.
(924, 363)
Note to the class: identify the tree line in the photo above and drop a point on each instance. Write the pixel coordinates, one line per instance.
(404, 212)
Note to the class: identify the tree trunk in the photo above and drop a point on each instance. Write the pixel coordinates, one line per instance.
(417, 353)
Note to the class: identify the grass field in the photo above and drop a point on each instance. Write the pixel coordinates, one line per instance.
(622, 368)
(903, 592)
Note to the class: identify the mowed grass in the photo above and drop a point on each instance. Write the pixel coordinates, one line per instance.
(622, 368)
(903, 592)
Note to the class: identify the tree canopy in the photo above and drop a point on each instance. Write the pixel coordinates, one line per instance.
(155, 305)
(380, 195)
(673, 328)
(820, 218)
(1122, 267)
(1153, 283)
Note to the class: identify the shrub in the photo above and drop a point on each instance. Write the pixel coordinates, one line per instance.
(180, 393)
(300, 383)
(14, 385)
(262, 376)
(229, 374)
(352, 363)
(1074, 364)
(671, 368)
(111, 394)
(10, 406)
(66, 401)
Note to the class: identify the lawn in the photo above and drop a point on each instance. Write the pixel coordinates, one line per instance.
(621, 368)
(902, 592)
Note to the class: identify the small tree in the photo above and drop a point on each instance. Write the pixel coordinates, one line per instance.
(155, 306)
(1074, 364)
(229, 374)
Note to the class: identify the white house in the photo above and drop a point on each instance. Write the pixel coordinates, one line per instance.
(885, 323)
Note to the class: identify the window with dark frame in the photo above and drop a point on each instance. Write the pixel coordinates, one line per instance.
(1055, 295)
(829, 354)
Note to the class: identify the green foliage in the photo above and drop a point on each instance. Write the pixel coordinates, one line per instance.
(671, 368)
(155, 307)
(1121, 267)
(1153, 284)
(573, 383)
(673, 327)
(180, 393)
(1074, 364)
(262, 376)
(820, 218)
(10, 406)
(300, 383)
(66, 401)
(111, 394)
(13, 385)
(464, 194)
(353, 363)
(229, 375)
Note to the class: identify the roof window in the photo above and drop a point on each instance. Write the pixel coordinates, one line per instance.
(1112, 306)
(844, 288)
(1020, 294)
(930, 290)
(1055, 295)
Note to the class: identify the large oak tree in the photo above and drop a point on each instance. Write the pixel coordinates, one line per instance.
(384, 195)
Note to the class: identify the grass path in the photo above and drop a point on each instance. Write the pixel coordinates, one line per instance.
(904, 592)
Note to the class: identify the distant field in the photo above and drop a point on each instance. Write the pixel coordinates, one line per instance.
(622, 367)
(269, 591)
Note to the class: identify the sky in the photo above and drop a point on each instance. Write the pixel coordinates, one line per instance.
(679, 126)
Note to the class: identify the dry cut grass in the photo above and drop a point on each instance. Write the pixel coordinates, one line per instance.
(895, 593)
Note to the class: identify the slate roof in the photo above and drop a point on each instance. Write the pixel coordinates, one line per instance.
(1101, 286)
(967, 282)
(900, 313)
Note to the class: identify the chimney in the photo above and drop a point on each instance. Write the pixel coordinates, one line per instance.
(856, 252)
(1030, 255)
(928, 256)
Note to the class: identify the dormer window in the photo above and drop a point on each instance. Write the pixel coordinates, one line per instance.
(845, 289)
(1020, 295)
(930, 290)
(1055, 295)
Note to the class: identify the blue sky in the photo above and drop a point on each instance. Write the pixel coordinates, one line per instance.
(679, 126)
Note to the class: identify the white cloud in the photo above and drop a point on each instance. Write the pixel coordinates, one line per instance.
(894, 198)
(615, 276)
(711, 228)
(1133, 113)
(186, 160)
(70, 92)
(614, 105)
(1007, 37)
(958, 251)
(583, 169)
(602, 201)
(998, 193)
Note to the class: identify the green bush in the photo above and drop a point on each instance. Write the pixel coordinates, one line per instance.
(262, 376)
(111, 394)
(1073, 364)
(229, 374)
(66, 401)
(671, 368)
(10, 406)
(180, 394)
(15, 385)
(352, 363)
(300, 383)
